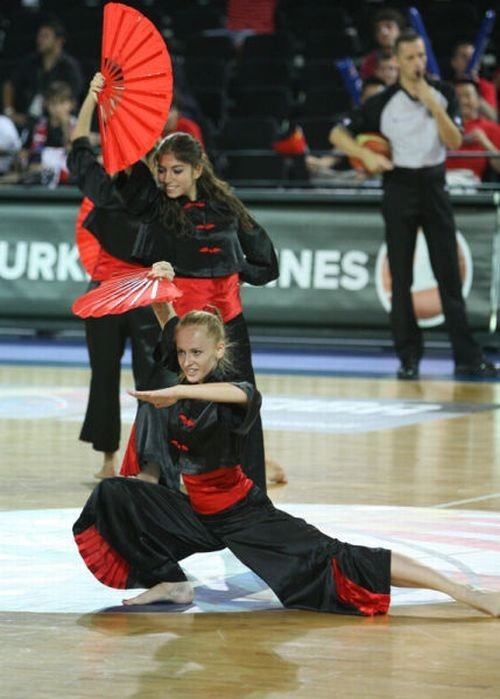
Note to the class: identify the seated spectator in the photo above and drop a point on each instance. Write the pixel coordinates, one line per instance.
(387, 26)
(23, 93)
(45, 160)
(387, 68)
(10, 144)
(177, 121)
(480, 134)
(326, 166)
(460, 57)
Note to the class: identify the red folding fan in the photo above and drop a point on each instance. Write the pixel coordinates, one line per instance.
(124, 292)
(135, 101)
(87, 244)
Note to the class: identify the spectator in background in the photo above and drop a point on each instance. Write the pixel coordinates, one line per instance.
(324, 167)
(52, 135)
(480, 134)
(176, 121)
(387, 68)
(23, 93)
(460, 57)
(388, 24)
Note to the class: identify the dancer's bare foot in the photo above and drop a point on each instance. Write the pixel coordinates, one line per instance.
(109, 467)
(177, 592)
(487, 602)
(142, 476)
(275, 473)
(150, 473)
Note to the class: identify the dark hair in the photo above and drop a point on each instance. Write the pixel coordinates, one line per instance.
(406, 37)
(466, 81)
(58, 90)
(190, 151)
(56, 25)
(458, 44)
(389, 14)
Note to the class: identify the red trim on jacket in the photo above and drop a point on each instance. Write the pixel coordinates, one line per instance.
(194, 204)
(101, 559)
(179, 445)
(349, 592)
(217, 490)
(210, 251)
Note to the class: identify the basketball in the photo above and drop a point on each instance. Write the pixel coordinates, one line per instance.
(376, 143)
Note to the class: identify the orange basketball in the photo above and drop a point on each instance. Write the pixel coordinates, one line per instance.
(376, 143)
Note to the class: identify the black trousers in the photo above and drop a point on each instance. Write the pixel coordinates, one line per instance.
(106, 340)
(414, 198)
(132, 534)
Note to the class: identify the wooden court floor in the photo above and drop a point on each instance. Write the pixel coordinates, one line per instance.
(439, 650)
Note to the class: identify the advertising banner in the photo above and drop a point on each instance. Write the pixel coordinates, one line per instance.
(333, 269)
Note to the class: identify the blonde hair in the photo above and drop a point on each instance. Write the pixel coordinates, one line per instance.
(211, 321)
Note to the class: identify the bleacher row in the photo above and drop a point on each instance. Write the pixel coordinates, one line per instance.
(249, 97)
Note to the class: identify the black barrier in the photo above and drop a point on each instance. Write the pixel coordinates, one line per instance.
(333, 270)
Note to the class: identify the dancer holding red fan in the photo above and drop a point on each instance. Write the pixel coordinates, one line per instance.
(193, 221)
(106, 241)
(134, 100)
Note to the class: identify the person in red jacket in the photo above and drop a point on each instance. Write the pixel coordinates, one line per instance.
(460, 57)
(480, 133)
(115, 230)
(388, 24)
(177, 121)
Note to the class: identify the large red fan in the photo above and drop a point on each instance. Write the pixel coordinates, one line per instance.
(124, 292)
(135, 101)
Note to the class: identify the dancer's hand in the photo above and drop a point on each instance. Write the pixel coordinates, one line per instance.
(96, 85)
(161, 398)
(162, 270)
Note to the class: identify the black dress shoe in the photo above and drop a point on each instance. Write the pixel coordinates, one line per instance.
(483, 370)
(408, 371)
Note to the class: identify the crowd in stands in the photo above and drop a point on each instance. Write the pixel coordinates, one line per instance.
(257, 83)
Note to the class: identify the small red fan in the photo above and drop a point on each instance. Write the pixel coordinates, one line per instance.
(135, 101)
(87, 244)
(124, 292)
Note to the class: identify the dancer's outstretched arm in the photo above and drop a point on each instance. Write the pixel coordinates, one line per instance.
(216, 392)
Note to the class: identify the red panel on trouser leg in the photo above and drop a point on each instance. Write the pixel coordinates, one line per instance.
(101, 559)
(348, 592)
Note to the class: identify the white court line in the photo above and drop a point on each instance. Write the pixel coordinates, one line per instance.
(467, 501)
